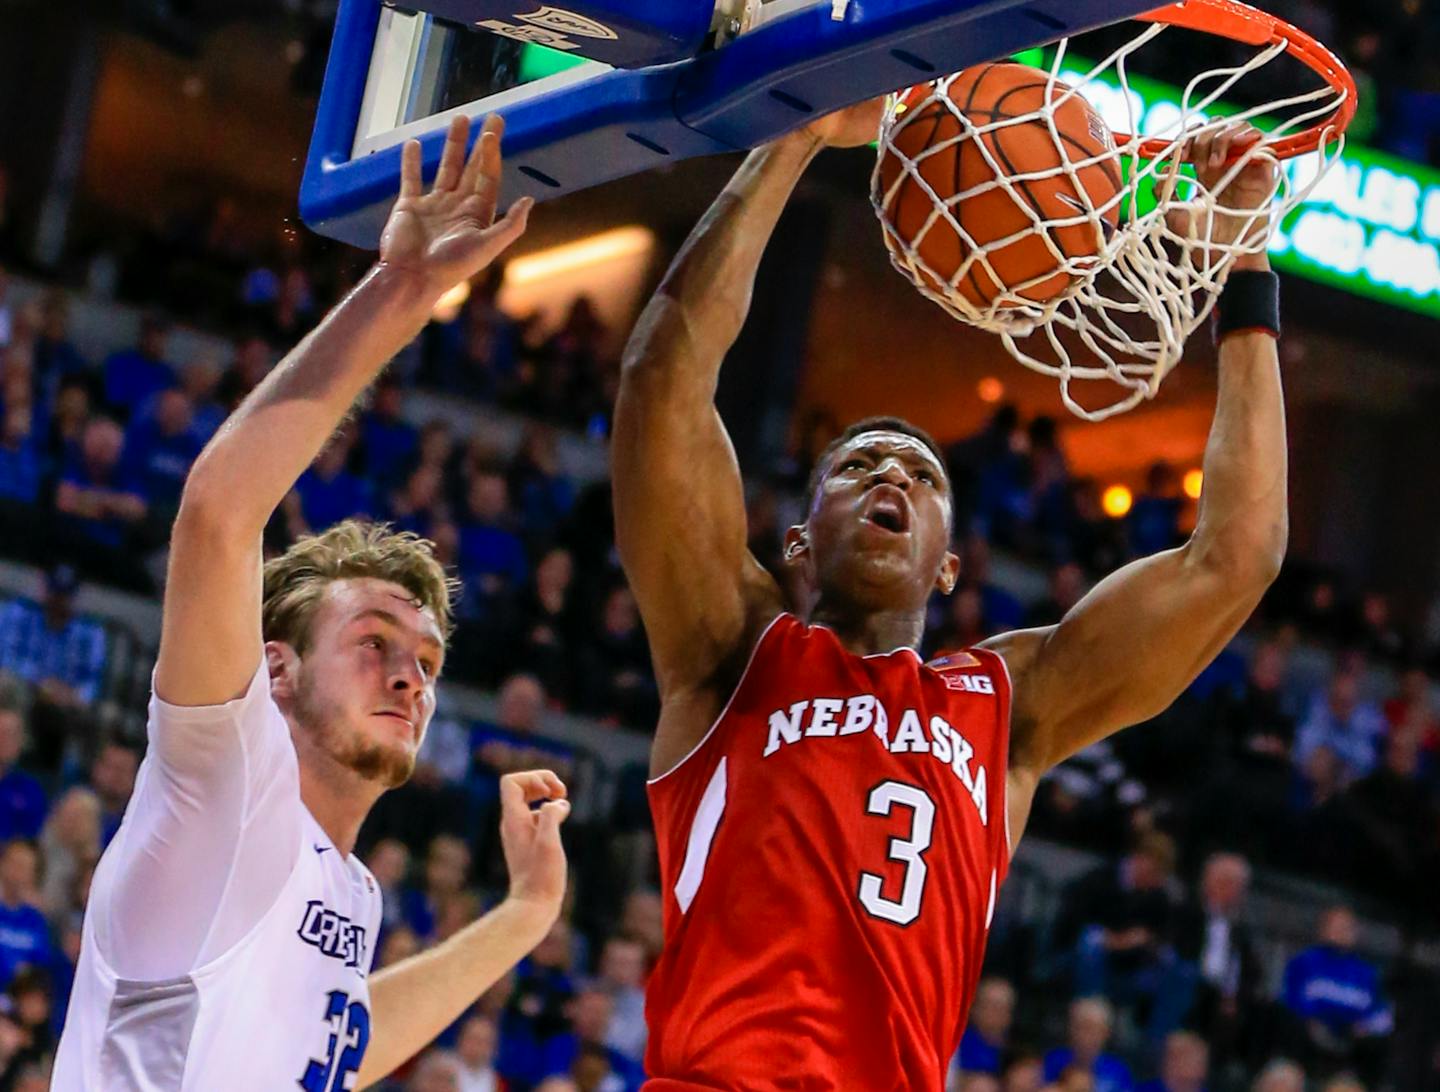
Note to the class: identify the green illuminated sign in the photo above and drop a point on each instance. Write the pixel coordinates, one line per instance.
(1371, 226)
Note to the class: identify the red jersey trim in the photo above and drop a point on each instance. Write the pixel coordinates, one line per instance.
(731, 701)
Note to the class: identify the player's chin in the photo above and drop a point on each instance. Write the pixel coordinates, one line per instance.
(389, 763)
(881, 578)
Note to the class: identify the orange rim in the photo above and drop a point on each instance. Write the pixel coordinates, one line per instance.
(1242, 23)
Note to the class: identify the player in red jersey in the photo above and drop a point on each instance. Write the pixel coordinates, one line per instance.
(834, 816)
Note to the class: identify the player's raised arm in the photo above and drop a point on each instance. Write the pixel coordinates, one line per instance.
(1143, 634)
(210, 642)
(679, 507)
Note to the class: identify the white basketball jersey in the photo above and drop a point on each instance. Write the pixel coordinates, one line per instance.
(227, 943)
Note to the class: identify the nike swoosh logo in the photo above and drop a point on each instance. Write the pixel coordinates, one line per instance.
(321, 849)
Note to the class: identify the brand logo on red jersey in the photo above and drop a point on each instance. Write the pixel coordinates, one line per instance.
(864, 713)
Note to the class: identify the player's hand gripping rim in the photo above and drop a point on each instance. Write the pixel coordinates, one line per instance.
(1240, 175)
(530, 837)
(450, 234)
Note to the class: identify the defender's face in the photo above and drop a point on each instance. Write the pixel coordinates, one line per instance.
(879, 527)
(365, 690)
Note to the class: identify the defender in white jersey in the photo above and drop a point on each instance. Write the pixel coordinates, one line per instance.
(230, 930)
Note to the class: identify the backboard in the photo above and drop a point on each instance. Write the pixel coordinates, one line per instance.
(602, 89)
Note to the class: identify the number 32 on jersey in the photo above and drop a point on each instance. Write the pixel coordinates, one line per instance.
(349, 1036)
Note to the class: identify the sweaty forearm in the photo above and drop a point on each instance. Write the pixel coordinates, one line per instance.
(1243, 519)
(700, 306)
(415, 1000)
(256, 457)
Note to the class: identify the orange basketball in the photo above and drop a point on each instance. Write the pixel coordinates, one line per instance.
(987, 94)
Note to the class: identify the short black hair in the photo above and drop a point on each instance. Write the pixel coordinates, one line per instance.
(868, 424)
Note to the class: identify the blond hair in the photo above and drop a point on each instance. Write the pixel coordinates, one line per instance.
(353, 549)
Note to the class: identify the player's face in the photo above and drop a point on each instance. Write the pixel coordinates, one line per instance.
(366, 685)
(878, 534)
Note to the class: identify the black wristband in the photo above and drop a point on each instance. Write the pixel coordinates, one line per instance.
(1249, 301)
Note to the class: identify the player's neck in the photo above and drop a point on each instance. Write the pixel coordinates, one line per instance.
(338, 798)
(865, 633)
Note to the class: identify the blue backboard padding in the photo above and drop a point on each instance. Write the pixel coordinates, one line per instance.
(646, 32)
(627, 121)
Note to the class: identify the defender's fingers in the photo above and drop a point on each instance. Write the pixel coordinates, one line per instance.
(532, 785)
(486, 183)
(474, 165)
(452, 159)
(410, 181)
(552, 815)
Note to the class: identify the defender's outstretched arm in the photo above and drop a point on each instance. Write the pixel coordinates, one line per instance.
(1142, 635)
(210, 637)
(679, 506)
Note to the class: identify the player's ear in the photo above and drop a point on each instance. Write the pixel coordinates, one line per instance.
(797, 544)
(949, 574)
(283, 664)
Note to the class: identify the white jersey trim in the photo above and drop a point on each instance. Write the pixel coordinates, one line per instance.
(702, 834)
(1009, 728)
(733, 694)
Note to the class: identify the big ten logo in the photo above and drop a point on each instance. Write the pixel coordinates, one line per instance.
(552, 27)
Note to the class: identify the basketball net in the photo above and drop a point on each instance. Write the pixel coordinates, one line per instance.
(1133, 304)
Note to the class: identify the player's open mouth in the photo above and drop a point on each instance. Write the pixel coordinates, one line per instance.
(888, 510)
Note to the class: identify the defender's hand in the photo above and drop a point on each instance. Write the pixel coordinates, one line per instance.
(450, 234)
(851, 127)
(534, 855)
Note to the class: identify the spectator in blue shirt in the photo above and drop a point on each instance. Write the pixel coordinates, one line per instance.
(536, 1010)
(1154, 520)
(542, 493)
(491, 554)
(987, 1031)
(1342, 721)
(1184, 1066)
(200, 380)
(388, 442)
(56, 358)
(22, 799)
(1091, 1021)
(328, 491)
(24, 933)
(112, 776)
(1341, 1016)
(590, 1013)
(131, 376)
(96, 491)
(160, 448)
(417, 503)
(22, 466)
(49, 645)
(447, 869)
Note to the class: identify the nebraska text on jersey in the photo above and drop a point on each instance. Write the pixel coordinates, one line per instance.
(835, 718)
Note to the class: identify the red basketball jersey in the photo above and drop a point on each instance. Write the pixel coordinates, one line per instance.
(830, 854)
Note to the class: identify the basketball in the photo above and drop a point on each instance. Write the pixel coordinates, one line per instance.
(929, 133)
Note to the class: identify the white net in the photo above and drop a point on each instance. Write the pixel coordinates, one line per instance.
(1127, 308)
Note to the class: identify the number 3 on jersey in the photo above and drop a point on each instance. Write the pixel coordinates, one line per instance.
(908, 851)
(349, 1035)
